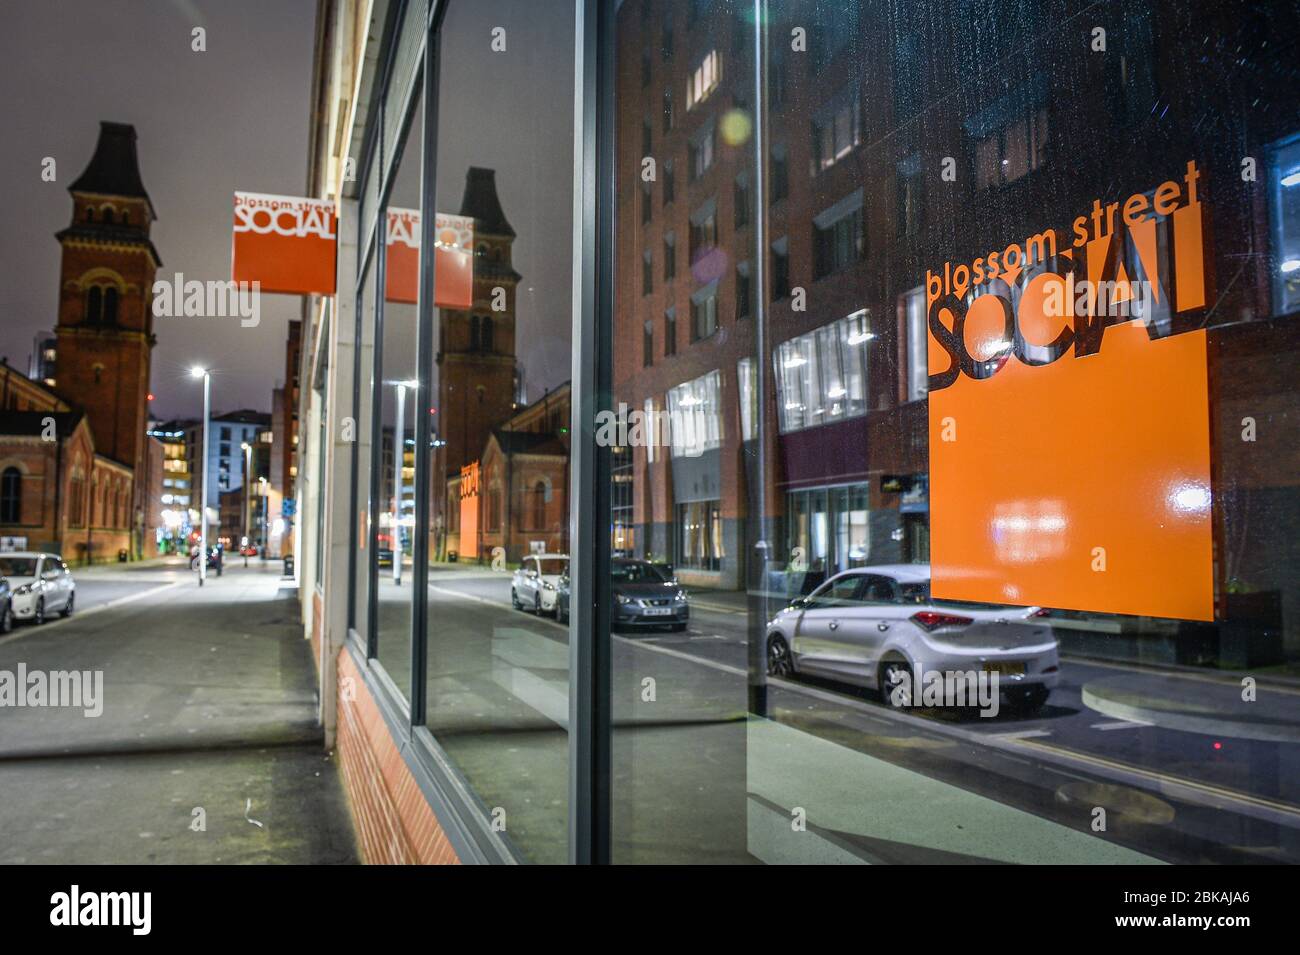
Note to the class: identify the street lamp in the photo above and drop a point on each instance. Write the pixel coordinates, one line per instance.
(248, 469)
(399, 442)
(197, 372)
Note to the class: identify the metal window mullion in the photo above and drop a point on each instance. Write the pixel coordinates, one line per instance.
(424, 374)
(379, 233)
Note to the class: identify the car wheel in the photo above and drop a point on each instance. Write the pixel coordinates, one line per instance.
(778, 657)
(1030, 700)
(514, 600)
(68, 607)
(7, 621)
(38, 617)
(896, 684)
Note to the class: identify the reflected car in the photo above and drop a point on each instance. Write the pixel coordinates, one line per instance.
(536, 582)
(562, 599)
(877, 628)
(41, 584)
(647, 595)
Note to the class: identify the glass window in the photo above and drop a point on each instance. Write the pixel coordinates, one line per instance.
(694, 409)
(497, 651)
(399, 397)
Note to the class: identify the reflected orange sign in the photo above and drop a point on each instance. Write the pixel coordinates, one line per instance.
(1069, 414)
(453, 259)
(469, 492)
(286, 243)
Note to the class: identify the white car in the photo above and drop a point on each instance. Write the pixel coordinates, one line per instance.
(878, 628)
(536, 582)
(41, 585)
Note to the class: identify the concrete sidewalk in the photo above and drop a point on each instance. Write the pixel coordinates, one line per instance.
(207, 748)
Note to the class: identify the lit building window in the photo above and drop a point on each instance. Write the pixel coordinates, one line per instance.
(704, 79)
(822, 375)
(694, 410)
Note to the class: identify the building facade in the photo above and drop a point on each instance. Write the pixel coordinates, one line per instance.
(816, 324)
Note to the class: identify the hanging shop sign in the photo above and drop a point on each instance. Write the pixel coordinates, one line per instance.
(1069, 413)
(453, 259)
(286, 243)
(469, 494)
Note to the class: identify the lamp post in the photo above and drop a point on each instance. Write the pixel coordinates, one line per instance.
(197, 372)
(248, 468)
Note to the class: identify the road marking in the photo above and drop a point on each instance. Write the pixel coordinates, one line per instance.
(1121, 725)
(1021, 734)
(77, 615)
(1224, 680)
(1167, 784)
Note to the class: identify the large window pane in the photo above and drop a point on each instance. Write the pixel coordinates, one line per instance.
(1093, 495)
(497, 638)
(401, 397)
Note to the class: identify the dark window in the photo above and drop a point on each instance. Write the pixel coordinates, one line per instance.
(780, 272)
(668, 182)
(668, 110)
(645, 203)
(647, 274)
(539, 505)
(648, 344)
(702, 153)
(666, 40)
(11, 496)
(94, 305)
(704, 316)
(670, 257)
(780, 174)
(647, 138)
(645, 68)
(839, 244)
(742, 291)
(704, 235)
(670, 332)
(741, 194)
(110, 306)
(485, 334)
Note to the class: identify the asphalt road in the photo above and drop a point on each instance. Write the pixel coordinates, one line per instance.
(1179, 795)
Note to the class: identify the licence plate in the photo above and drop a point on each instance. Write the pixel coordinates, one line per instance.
(1006, 667)
(658, 611)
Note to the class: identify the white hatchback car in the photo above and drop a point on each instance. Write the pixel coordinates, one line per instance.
(536, 582)
(41, 584)
(877, 627)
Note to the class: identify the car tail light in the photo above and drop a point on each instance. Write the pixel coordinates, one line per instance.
(1052, 669)
(933, 620)
(1041, 612)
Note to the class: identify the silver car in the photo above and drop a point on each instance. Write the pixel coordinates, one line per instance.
(877, 627)
(41, 583)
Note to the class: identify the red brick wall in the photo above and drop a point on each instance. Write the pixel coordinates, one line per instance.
(394, 822)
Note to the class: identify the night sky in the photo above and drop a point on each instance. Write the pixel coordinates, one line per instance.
(236, 117)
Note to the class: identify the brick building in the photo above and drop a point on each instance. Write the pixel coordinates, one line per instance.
(76, 459)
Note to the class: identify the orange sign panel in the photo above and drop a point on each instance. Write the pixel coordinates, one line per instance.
(469, 493)
(1069, 414)
(285, 243)
(453, 259)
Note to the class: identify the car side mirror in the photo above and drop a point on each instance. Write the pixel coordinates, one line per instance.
(799, 603)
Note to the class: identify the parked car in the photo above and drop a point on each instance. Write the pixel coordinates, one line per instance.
(877, 626)
(648, 595)
(40, 583)
(535, 583)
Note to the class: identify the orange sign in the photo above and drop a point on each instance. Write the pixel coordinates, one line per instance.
(1069, 415)
(453, 259)
(469, 478)
(285, 243)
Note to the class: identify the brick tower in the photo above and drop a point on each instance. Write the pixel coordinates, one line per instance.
(105, 326)
(476, 353)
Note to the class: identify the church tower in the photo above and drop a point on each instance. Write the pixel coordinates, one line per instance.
(476, 351)
(105, 325)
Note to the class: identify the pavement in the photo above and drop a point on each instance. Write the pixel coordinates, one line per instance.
(207, 748)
